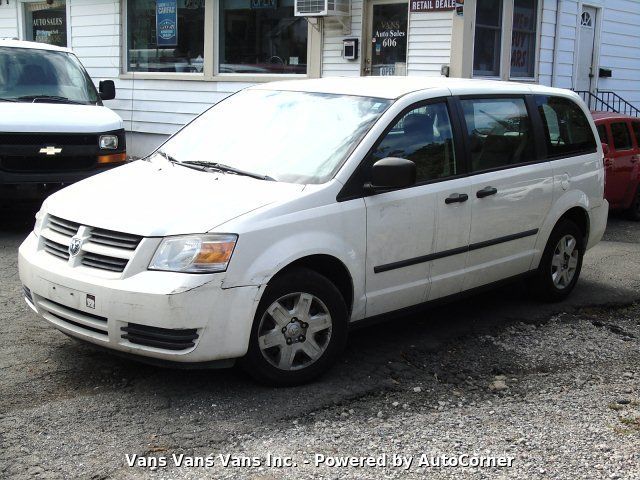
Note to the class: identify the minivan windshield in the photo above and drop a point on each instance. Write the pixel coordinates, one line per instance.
(288, 136)
(35, 75)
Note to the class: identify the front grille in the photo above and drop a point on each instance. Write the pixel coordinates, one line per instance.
(114, 239)
(166, 338)
(57, 249)
(104, 262)
(46, 163)
(102, 249)
(61, 314)
(63, 227)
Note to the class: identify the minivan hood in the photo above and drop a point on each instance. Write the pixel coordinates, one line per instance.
(27, 117)
(158, 199)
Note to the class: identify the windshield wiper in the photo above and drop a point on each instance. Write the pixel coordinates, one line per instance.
(174, 161)
(227, 168)
(53, 98)
(7, 99)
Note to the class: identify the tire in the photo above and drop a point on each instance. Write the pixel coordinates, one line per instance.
(299, 330)
(558, 274)
(633, 212)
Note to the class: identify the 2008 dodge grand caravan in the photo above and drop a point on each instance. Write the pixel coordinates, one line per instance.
(284, 213)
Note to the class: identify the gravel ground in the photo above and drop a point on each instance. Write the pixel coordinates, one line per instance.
(556, 388)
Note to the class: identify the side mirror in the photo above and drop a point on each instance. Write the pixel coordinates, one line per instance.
(605, 149)
(107, 90)
(391, 173)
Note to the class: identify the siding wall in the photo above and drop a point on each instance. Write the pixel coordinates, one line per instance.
(8, 20)
(566, 43)
(429, 42)
(620, 49)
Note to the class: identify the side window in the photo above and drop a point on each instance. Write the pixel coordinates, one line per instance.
(636, 131)
(499, 132)
(602, 133)
(621, 136)
(566, 127)
(424, 136)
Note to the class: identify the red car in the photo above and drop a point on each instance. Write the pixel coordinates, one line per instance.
(621, 134)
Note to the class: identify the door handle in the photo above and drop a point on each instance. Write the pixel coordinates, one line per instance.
(608, 162)
(456, 198)
(486, 192)
(635, 158)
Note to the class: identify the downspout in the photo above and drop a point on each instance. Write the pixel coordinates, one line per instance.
(556, 44)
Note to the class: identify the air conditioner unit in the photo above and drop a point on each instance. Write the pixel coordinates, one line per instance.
(322, 8)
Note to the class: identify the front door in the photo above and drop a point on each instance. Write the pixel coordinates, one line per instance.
(585, 75)
(385, 39)
(417, 237)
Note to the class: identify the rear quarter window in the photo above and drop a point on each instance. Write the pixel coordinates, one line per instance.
(567, 129)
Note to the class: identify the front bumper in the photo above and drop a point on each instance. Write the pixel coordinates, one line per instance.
(64, 296)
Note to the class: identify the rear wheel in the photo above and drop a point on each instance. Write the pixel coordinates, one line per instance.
(299, 329)
(561, 262)
(633, 213)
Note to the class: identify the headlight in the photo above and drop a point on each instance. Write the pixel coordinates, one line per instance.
(38, 225)
(194, 253)
(108, 142)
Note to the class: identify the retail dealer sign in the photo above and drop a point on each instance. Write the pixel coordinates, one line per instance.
(431, 5)
(167, 23)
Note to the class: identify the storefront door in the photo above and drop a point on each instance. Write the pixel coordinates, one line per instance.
(46, 22)
(385, 38)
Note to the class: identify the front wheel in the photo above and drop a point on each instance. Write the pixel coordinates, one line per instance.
(561, 262)
(299, 329)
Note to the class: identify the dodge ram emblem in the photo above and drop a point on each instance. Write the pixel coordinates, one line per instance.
(50, 150)
(74, 246)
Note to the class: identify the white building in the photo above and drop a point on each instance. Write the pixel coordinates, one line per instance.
(171, 59)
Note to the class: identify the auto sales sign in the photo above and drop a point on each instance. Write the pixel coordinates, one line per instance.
(167, 23)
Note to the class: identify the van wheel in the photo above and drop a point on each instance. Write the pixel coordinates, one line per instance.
(633, 213)
(561, 262)
(299, 329)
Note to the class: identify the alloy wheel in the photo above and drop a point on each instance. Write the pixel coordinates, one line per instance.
(294, 331)
(564, 262)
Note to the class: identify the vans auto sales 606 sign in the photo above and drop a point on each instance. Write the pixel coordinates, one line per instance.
(431, 5)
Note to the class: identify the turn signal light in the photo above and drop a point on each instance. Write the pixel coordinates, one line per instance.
(114, 158)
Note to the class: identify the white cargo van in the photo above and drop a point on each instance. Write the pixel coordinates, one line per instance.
(54, 129)
(289, 211)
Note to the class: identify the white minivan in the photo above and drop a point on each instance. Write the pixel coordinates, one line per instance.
(54, 129)
(289, 211)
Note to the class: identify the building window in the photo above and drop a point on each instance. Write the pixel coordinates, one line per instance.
(523, 38)
(46, 22)
(165, 36)
(261, 36)
(488, 38)
(586, 20)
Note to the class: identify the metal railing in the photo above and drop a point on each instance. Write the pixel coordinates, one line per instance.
(607, 101)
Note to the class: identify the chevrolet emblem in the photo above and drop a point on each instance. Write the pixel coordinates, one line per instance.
(50, 150)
